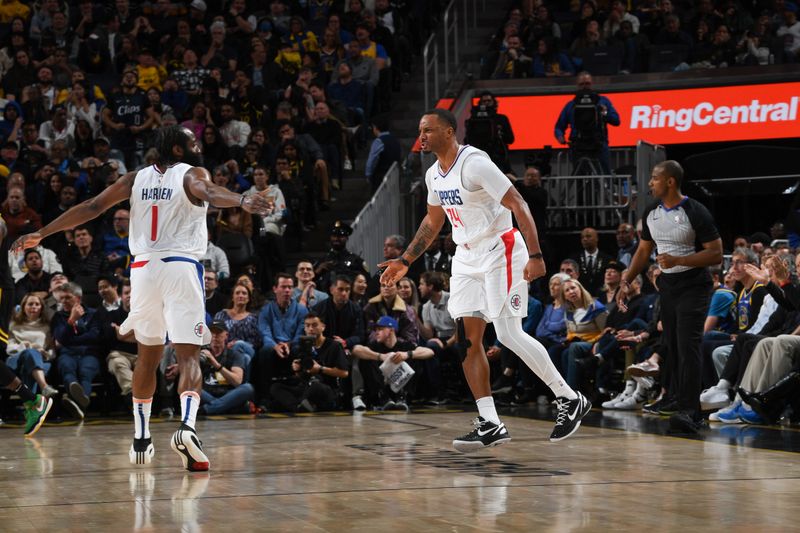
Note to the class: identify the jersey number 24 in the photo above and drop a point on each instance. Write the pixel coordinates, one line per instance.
(455, 218)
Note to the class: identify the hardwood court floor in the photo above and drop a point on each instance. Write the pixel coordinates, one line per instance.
(397, 472)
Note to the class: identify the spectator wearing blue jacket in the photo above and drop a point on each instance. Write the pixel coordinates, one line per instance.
(281, 325)
(567, 119)
(78, 335)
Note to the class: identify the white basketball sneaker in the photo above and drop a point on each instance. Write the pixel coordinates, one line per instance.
(142, 451)
(188, 446)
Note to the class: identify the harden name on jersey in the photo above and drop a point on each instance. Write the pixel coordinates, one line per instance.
(157, 193)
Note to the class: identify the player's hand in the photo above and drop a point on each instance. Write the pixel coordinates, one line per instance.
(666, 261)
(393, 271)
(258, 203)
(30, 240)
(534, 269)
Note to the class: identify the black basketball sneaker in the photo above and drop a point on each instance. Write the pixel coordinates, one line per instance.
(484, 434)
(568, 418)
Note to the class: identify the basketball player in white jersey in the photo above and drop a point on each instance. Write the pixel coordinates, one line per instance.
(490, 273)
(168, 236)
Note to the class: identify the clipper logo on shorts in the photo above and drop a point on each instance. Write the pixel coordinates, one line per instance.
(198, 329)
(515, 302)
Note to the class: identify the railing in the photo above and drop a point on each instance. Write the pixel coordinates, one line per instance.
(618, 157)
(450, 39)
(430, 62)
(450, 29)
(602, 202)
(378, 219)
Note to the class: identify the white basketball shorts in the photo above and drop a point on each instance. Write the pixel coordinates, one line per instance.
(487, 281)
(167, 300)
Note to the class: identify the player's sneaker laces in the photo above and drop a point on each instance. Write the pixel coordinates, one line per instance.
(142, 451)
(484, 434)
(568, 418)
(188, 446)
(35, 413)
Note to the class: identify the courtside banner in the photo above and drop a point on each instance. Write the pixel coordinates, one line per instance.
(734, 113)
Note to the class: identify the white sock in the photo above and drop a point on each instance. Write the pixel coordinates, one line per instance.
(190, 402)
(630, 387)
(724, 384)
(487, 410)
(533, 354)
(141, 417)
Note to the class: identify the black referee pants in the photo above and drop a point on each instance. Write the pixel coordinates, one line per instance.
(684, 303)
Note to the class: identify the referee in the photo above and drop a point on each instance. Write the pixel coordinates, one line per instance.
(687, 241)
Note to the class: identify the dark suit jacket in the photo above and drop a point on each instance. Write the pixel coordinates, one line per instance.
(592, 280)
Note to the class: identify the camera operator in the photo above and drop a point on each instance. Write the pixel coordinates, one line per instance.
(587, 116)
(490, 131)
(318, 369)
(224, 389)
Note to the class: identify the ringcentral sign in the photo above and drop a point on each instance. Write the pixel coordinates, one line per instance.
(734, 113)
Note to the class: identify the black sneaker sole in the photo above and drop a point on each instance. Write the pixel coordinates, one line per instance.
(467, 446)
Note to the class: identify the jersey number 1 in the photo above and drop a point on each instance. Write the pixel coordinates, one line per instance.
(154, 223)
(455, 219)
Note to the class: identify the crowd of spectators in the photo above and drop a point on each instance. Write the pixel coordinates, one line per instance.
(546, 39)
(332, 337)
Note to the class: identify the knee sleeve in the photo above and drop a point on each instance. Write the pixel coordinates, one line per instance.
(463, 343)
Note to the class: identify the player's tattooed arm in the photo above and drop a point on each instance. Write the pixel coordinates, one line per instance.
(83, 212)
(427, 232)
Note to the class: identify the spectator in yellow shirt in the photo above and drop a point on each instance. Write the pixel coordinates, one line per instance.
(151, 74)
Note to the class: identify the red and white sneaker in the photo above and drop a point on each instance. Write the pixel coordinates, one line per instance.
(188, 446)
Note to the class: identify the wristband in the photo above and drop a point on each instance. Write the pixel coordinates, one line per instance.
(219, 368)
(404, 261)
(537, 255)
(241, 201)
(410, 354)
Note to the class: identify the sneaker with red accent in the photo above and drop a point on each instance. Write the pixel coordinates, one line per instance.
(188, 446)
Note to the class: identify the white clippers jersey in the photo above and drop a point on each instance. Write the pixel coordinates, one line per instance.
(474, 210)
(163, 219)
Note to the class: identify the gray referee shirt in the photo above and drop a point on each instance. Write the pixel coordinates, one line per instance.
(679, 231)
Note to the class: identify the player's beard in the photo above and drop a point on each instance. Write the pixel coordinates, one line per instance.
(193, 158)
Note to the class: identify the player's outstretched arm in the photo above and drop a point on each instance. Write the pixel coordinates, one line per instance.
(85, 211)
(513, 201)
(198, 183)
(428, 230)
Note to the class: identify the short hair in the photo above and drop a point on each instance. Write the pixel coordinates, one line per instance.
(218, 24)
(399, 240)
(168, 137)
(280, 275)
(313, 314)
(749, 255)
(672, 169)
(83, 227)
(343, 278)
(126, 282)
(445, 116)
(434, 279)
(381, 122)
(572, 263)
(30, 251)
(72, 288)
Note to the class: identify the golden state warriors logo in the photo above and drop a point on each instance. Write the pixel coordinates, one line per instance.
(198, 329)
(515, 302)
